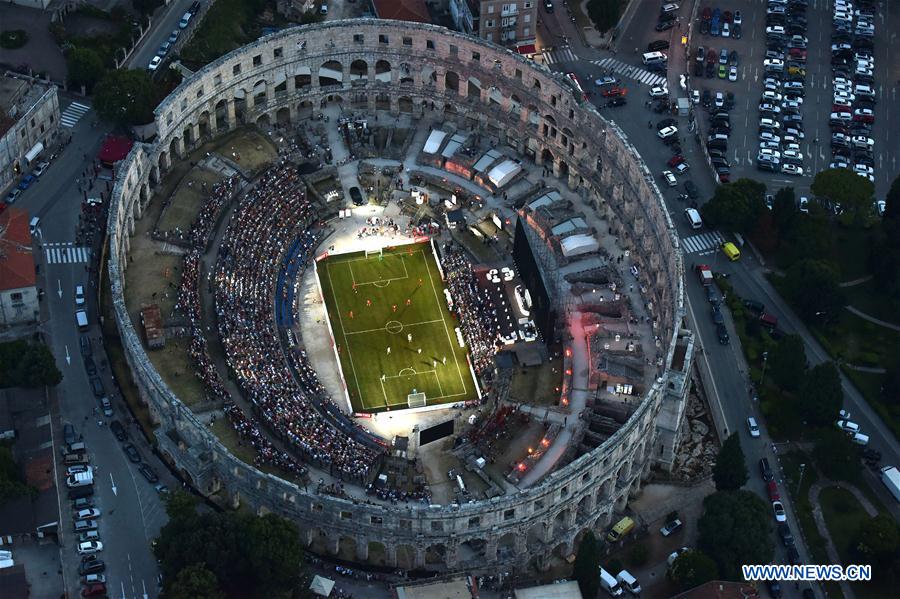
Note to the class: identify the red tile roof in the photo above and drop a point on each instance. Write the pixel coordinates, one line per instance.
(402, 10)
(16, 265)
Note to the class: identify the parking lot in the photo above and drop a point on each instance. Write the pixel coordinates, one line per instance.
(816, 104)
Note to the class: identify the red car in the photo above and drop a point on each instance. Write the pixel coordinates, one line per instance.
(706, 15)
(772, 488)
(675, 160)
(94, 590)
(614, 92)
(727, 17)
(863, 115)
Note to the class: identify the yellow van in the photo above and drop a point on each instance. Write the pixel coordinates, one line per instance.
(731, 251)
(622, 528)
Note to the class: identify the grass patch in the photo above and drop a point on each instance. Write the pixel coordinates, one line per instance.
(175, 365)
(869, 384)
(187, 201)
(374, 305)
(223, 430)
(869, 298)
(537, 385)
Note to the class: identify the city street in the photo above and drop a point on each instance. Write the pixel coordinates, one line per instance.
(132, 513)
(166, 20)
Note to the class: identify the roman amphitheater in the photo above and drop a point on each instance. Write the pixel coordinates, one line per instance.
(623, 356)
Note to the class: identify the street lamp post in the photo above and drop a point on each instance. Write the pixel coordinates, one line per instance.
(800, 481)
(765, 357)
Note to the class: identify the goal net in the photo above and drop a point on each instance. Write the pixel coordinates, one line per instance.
(416, 400)
(379, 252)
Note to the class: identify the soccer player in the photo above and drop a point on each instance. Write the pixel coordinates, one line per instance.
(389, 350)
(369, 303)
(408, 302)
(395, 307)
(445, 360)
(409, 337)
(351, 314)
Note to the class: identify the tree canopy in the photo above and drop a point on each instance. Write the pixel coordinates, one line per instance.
(787, 362)
(784, 208)
(730, 472)
(735, 207)
(821, 395)
(852, 192)
(244, 555)
(27, 364)
(586, 563)
(835, 455)
(878, 540)
(884, 253)
(85, 67)
(604, 13)
(11, 482)
(813, 286)
(735, 529)
(691, 569)
(126, 97)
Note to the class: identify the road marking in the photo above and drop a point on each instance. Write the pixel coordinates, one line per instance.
(72, 114)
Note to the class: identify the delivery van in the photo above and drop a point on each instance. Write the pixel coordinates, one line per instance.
(654, 58)
(629, 582)
(82, 319)
(731, 251)
(610, 584)
(622, 528)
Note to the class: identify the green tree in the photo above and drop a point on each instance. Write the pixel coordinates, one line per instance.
(604, 13)
(691, 569)
(126, 97)
(852, 192)
(735, 529)
(195, 582)
(85, 67)
(735, 207)
(821, 395)
(878, 540)
(146, 7)
(836, 457)
(884, 251)
(787, 362)
(586, 563)
(807, 236)
(26, 364)
(730, 472)
(814, 289)
(784, 208)
(11, 482)
(890, 385)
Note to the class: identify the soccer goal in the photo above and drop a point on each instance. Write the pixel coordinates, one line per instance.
(416, 400)
(379, 252)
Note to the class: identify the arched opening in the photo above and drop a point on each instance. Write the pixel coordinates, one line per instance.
(203, 123)
(240, 105)
(473, 91)
(173, 146)
(383, 71)
(382, 101)
(559, 522)
(359, 69)
(562, 550)
(406, 557)
(359, 100)
(495, 97)
(283, 116)
(303, 78)
(436, 554)
(506, 546)
(547, 158)
(535, 534)
(515, 104)
(451, 81)
(259, 93)
(347, 548)
(331, 74)
(319, 542)
(305, 109)
(280, 84)
(221, 112)
(263, 120)
(406, 104)
(406, 77)
(563, 170)
(429, 76)
(331, 99)
(188, 135)
(472, 550)
(163, 162)
(377, 554)
(583, 510)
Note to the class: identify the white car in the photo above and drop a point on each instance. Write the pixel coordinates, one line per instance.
(695, 96)
(844, 95)
(848, 426)
(844, 117)
(770, 96)
(732, 73)
(737, 17)
(720, 100)
(769, 145)
(669, 177)
(154, 63)
(726, 30)
(753, 427)
(880, 207)
(866, 112)
(792, 169)
(861, 141)
(793, 155)
(838, 165)
(765, 107)
(666, 132)
(769, 136)
(778, 509)
(87, 514)
(775, 30)
(73, 470)
(658, 91)
(863, 169)
(769, 123)
(94, 579)
(773, 63)
(803, 205)
(674, 555)
(769, 152)
(79, 295)
(89, 547)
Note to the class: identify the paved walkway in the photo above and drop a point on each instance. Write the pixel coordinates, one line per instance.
(856, 282)
(872, 319)
(814, 490)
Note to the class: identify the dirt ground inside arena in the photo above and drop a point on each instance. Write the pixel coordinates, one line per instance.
(537, 385)
(187, 200)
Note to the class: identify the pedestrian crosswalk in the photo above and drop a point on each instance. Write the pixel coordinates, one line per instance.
(72, 114)
(66, 253)
(555, 55)
(630, 71)
(704, 242)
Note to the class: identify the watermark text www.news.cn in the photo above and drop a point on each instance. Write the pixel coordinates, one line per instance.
(807, 572)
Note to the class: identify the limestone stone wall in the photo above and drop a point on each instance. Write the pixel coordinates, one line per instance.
(427, 71)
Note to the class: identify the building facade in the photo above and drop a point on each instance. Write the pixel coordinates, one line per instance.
(18, 293)
(432, 74)
(29, 121)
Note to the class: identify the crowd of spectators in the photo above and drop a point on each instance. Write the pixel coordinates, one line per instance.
(476, 312)
(268, 218)
(203, 225)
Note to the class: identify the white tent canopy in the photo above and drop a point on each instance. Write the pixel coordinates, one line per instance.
(487, 160)
(433, 144)
(504, 172)
(321, 586)
(34, 152)
(575, 245)
(455, 142)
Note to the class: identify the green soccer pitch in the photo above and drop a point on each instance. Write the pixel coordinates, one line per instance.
(392, 329)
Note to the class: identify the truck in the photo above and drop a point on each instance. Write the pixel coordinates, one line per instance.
(705, 273)
(890, 476)
(80, 479)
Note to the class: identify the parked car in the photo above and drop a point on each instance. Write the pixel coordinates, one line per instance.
(89, 547)
(133, 454)
(778, 510)
(670, 527)
(148, 473)
(753, 427)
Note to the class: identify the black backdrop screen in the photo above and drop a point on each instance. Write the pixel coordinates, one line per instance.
(433, 433)
(541, 308)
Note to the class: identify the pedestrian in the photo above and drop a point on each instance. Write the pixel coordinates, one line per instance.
(649, 124)
(389, 350)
